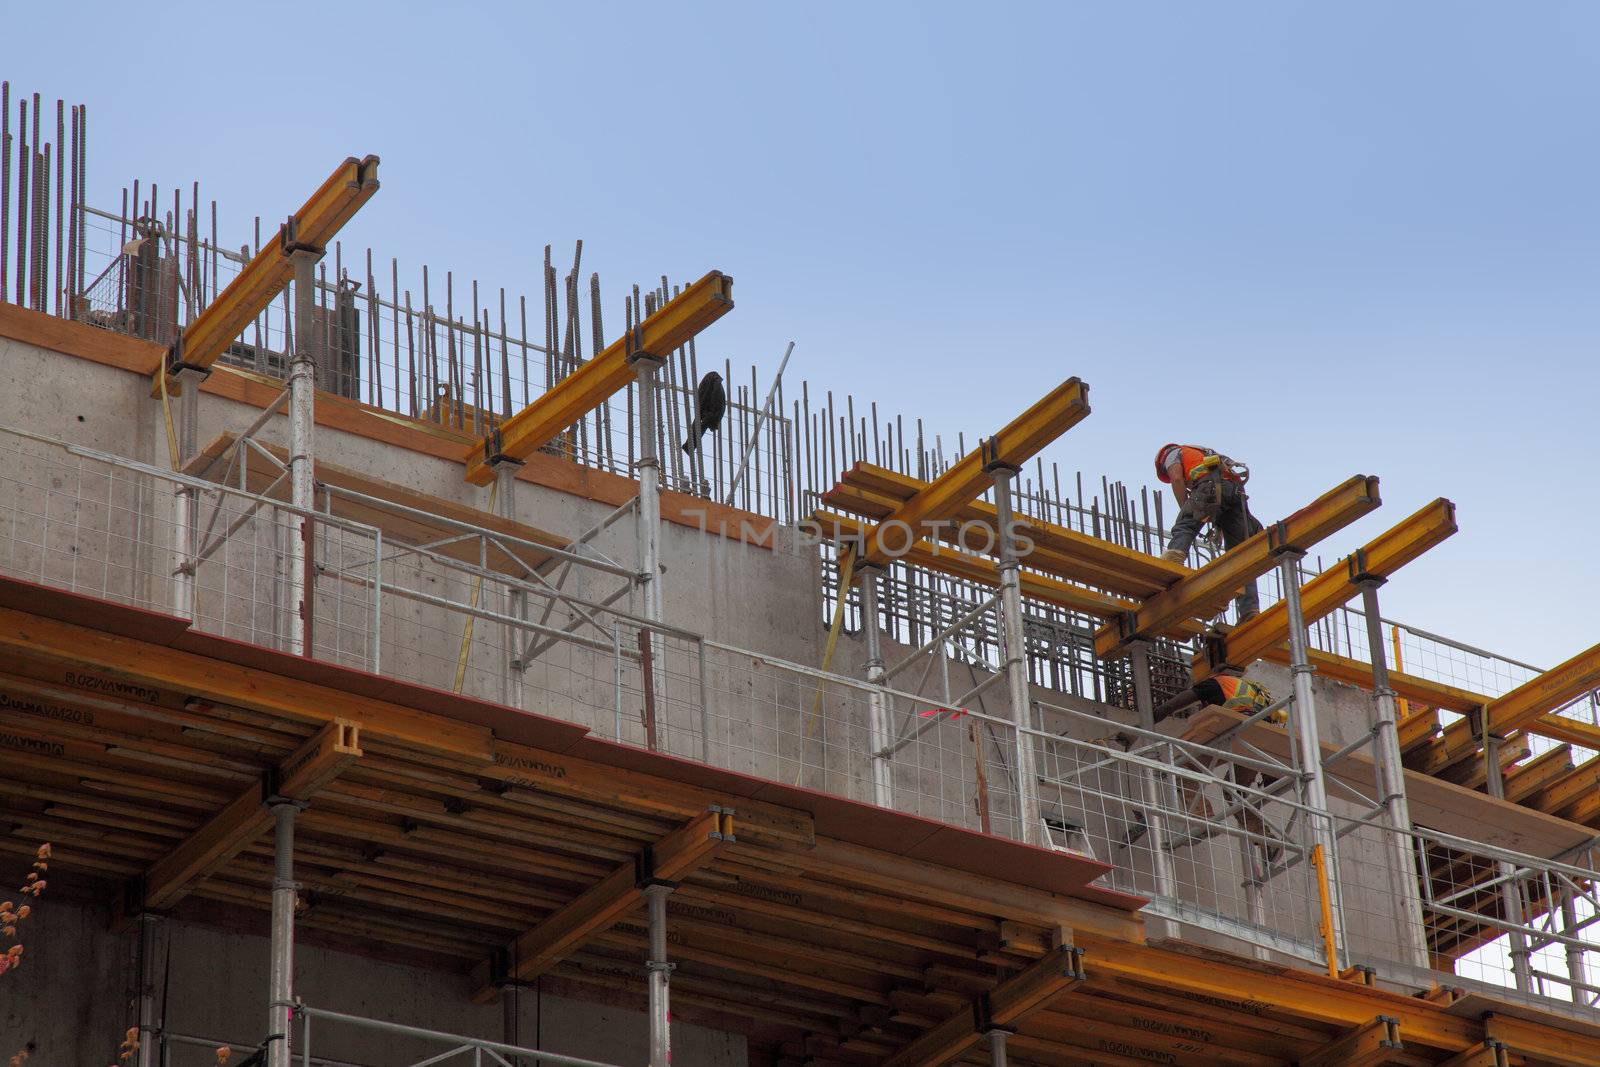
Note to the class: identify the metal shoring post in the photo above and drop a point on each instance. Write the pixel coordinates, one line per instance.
(281, 975)
(186, 504)
(648, 514)
(660, 971)
(1155, 822)
(1575, 972)
(1510, 895)
(516, 598)
(1303, 728)
(1392, 785)
(1016, 657)
(649, 467)
(302, 424)
(877, 702)
(147, 990)
(997, 1047)
(511, 1018)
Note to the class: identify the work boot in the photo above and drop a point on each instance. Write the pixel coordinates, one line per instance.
(1174, 555)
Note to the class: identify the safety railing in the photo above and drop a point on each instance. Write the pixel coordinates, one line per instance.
(1221, 842)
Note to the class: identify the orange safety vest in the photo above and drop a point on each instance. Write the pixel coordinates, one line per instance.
(1241, 694)
(1190, 457)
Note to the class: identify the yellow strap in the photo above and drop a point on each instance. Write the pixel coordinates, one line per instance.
(847, 567)
(466, 632)
(166, 410)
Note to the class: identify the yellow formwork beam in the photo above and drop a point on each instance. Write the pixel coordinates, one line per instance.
(1204, 591)
(204, 340)
(845, 531)
(876, 492)
(1062, 408)
(670, 327)
(1381, 557)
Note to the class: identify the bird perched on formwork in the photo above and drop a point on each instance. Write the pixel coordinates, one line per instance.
(710, 402)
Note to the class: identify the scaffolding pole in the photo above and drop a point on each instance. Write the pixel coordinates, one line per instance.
(516, 597)
(281, 972)
(1505, 873)
(1391, 785)
(1307, 742)
(1149, 784)
(1016, 658)
(877, 699)
(302, 425)
(186, 505)
(660, 971)
(648, 467)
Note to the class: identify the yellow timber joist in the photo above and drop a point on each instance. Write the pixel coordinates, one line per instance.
(351, 184)
(1203, 591)
(1061, 409)
(1382, 556)
(670, 327)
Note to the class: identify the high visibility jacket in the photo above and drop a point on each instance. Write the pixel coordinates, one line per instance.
(1196, 462)
(1241, 694)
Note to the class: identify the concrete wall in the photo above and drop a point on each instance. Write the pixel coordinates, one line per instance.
(73, 999)
(759, 716)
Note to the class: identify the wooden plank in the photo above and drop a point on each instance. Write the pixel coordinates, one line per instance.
(603, 904)
(145, 664)
(1547, 1042)
(671, 327)
(1204, 591)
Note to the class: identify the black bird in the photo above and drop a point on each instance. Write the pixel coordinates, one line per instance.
(710, 402)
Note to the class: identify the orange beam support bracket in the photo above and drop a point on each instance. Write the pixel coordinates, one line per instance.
(1061, 409)
(1013, 1000)
(204, 340)
(1381, 557)
(602, 904)
(299, 777)
(1204, 591)
(671, 326)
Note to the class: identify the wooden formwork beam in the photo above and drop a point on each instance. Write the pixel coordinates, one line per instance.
(670, 327)
(600, 906)
(299, 778)
(1202, 592)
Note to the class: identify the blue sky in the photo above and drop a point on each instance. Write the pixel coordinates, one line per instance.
(1327, 239)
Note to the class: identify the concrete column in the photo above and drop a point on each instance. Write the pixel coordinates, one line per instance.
(1304, 730)
(878, 725)
(516, 600)
(281, 940)
(1412, 942)
(1510, 895)
(660, 971)
(1016, 659)
(302, 429)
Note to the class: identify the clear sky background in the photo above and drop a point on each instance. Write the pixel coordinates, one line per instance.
(1327, 239)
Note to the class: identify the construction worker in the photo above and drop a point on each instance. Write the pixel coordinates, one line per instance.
(1223, 691)
(1210, 488)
